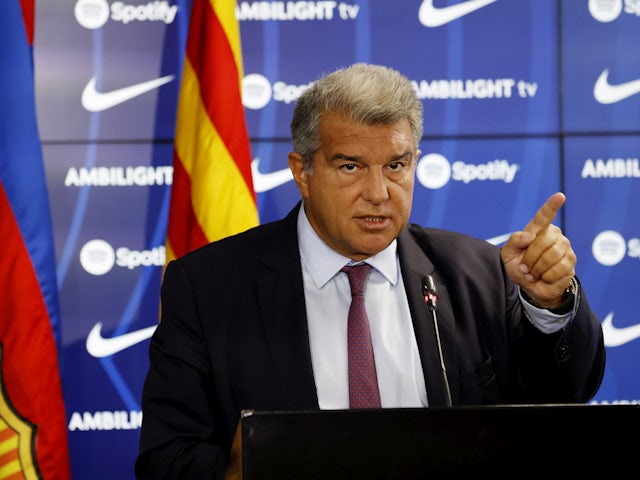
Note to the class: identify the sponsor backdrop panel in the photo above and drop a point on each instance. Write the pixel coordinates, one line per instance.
(109, 218)
(601, 66)
(603, 182)
(489, 78)
(109, 70)
(494, 72)
(484, 187)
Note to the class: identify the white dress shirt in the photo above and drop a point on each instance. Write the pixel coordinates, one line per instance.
(327, 296)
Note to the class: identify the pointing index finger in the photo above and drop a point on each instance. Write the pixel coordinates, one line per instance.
(546, 214)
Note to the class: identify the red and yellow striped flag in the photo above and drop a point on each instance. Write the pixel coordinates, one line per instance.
(212, 194)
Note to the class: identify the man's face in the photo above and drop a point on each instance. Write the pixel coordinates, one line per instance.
(358, 196)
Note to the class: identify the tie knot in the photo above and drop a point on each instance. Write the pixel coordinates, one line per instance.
(357, 276)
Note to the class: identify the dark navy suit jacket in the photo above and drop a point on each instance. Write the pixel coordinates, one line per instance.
(233, 336)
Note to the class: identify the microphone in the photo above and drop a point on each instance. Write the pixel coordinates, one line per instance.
(429, 293)
(430, 299)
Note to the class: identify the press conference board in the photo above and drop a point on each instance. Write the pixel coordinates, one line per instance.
(522, 98)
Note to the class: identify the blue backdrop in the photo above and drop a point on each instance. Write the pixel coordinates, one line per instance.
(522, 98)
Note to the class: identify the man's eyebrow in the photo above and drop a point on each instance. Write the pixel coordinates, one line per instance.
(403, 155)
(344, 156)
(356, 158)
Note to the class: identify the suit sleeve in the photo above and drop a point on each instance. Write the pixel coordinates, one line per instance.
(178, 436)
(498, 354)
(567, 366)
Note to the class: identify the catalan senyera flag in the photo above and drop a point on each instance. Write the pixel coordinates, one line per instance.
(33, 434)
(212, 194)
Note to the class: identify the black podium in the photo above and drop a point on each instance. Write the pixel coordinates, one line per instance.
(432, 443)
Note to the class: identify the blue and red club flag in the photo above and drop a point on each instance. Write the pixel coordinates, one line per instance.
(33, 434)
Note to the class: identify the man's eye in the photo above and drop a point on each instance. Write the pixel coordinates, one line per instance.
(395, 165)
(349, 167)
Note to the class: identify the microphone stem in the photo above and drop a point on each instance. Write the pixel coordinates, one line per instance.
(445, 380)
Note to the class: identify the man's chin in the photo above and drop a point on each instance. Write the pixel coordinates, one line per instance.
(371, 247)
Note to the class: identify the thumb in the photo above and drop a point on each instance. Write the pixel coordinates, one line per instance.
(517, 243)
(512, 253)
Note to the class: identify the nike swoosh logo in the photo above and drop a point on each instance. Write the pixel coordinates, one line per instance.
(100, 347)
(614, 336)
(499, 239)
(95, 101)
(431, 16)
(606, 93)
(267, 181)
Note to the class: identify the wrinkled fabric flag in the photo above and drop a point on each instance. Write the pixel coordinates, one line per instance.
(32, 413)
(212, 193)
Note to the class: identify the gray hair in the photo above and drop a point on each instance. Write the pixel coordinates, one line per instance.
(368, 94)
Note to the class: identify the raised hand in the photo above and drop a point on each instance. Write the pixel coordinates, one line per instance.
(540, 258)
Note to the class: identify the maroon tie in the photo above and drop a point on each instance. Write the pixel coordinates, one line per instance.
(363, 381)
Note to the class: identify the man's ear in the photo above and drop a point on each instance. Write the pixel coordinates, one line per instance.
(296, 165)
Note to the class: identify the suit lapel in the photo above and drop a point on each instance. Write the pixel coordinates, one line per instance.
(282, 308)
(415, 266)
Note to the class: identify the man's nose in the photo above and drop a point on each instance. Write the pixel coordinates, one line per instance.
(375, 186)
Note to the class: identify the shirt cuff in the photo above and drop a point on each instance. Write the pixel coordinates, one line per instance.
(545, 320)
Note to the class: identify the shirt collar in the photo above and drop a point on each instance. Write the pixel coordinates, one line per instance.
(322, 263)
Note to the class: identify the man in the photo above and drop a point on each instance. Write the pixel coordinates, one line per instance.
(258, 320)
